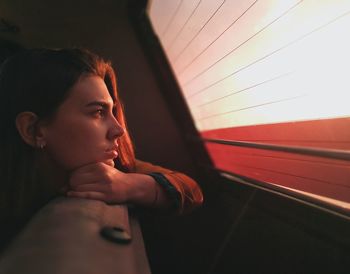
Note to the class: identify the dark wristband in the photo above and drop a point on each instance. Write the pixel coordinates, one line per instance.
(168, 188)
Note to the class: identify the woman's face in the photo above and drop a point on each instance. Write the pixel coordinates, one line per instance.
(84, 129)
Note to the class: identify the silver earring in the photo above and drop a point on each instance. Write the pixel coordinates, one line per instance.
(41, 144)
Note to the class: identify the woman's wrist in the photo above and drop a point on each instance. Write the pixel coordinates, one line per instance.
(146, 191)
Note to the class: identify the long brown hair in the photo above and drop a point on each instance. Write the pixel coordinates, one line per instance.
(39, 80)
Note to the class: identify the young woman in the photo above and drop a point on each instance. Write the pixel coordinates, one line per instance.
(63, 131)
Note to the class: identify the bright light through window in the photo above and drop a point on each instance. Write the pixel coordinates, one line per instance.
(266, 59)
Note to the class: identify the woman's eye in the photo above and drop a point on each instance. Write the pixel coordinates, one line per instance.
(99, 112)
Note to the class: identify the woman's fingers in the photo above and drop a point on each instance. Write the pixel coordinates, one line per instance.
(97, 172)
(87, 195)
(80, 177)
(95, 187)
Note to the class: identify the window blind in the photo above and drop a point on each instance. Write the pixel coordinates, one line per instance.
(267, 84)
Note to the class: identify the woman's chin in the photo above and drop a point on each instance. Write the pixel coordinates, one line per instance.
(109, 162)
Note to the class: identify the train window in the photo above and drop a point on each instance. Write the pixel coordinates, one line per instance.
(267, 86)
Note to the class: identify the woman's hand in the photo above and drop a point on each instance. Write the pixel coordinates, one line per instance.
(100, 181)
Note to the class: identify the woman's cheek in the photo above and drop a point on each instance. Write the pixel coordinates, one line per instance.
(70, 154)
(73, 145)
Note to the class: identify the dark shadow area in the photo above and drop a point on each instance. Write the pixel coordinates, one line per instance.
(244, 230)
(8, 48)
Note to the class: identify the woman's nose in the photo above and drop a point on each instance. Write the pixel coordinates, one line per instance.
(115, 129)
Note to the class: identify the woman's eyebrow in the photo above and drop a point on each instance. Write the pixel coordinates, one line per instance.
(102, 104)
(99, 103)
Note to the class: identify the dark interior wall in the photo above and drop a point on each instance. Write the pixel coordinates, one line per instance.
(103, 27)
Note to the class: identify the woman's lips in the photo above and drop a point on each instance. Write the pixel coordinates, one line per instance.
(111, 154)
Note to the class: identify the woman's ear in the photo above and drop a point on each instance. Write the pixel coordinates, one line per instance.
(27, 126)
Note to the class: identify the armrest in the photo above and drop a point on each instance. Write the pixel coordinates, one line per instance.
(65, 237)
